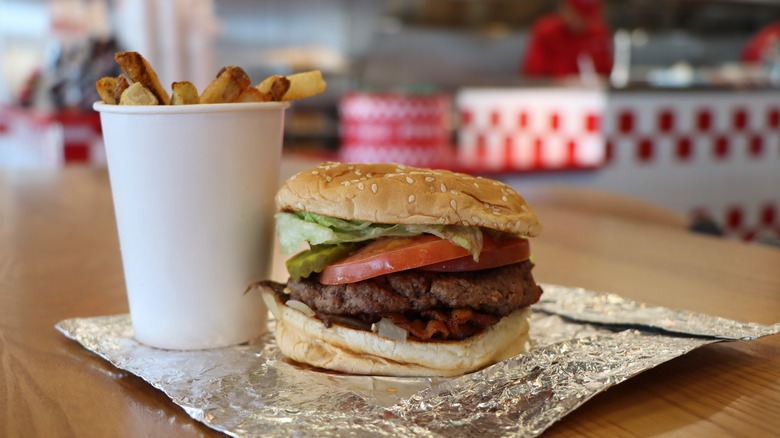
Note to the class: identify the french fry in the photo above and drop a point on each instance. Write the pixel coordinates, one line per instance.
(138, 69)
(105, 88)
(305, 84)
(137, 94)
(252, 94)
(140, 85)
(274, 87)
(279, 88)
(231, 81)
(184, 93)
(265, 86)
(121, 85)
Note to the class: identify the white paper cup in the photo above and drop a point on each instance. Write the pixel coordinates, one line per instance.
(193, 189)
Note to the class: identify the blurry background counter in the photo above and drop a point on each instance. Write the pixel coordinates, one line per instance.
(708, 151)
(60, 259)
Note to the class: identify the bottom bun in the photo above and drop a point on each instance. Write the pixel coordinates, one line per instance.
(306, 339)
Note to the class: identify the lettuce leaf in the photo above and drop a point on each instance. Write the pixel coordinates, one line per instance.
(296, 228)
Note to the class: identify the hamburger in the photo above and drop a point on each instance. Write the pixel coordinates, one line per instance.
(402, 271)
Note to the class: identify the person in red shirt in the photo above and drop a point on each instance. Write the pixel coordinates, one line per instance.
(573, 41)
(764, 46)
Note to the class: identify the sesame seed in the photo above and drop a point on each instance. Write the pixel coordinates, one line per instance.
(299, 205)
(361, 186)
(443, 188)
(453, 204)
(368, 175)
(350, 167)
(357, 172)
(431, 188)
(345, 183)
(411, 198)
(328, 178)
(409, 180)
(373, 188)
(293, 177)
(454, 192)
(476, 185)
(503, 198)
(430, 179)
(524, 208)
(316, 172)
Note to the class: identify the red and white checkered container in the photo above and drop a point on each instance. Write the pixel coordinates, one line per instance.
(400, 128)
(510, 129)
(30, 138)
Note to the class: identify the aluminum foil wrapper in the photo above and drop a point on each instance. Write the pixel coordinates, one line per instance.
(582, 343)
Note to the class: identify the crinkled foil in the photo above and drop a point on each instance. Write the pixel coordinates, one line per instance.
(582, 343)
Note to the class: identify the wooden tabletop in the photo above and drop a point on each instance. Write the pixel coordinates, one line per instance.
(59, 259)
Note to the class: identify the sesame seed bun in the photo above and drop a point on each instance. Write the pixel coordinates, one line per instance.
(397, 194)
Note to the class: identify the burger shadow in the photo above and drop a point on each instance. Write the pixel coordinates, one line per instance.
(681, 384)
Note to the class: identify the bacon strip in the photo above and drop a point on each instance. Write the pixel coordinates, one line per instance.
(444, 325)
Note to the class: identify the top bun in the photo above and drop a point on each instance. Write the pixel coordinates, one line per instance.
(397, 194)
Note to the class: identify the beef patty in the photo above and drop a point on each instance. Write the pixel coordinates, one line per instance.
(496, 291)
(428, 305)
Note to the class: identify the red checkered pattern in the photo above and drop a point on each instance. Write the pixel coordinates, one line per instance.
(725, 129)
(506, 129)
(711, 151)
(723, 148)
(392, 127)
(746, 223)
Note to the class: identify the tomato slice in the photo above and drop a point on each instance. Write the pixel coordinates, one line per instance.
(391, 254)
(503, 252)
(426, 252)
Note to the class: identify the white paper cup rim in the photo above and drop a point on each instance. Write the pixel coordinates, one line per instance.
(188, 109)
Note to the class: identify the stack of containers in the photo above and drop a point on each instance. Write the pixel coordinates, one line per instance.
(411, 129)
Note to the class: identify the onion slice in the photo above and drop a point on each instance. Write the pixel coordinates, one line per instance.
(300, 306)
(270, 302)
(386, 329)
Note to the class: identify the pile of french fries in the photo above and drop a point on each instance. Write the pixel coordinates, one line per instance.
(141, 86)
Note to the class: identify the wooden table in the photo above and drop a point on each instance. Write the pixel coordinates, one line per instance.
(59, 258)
